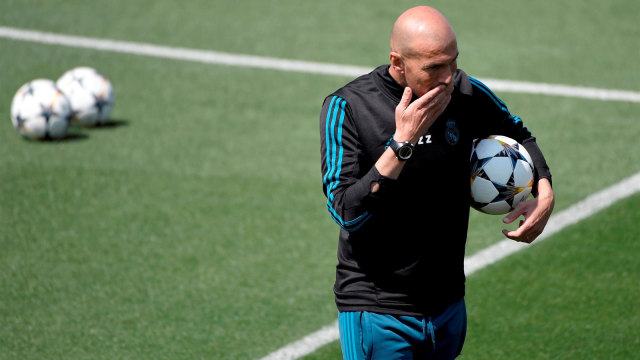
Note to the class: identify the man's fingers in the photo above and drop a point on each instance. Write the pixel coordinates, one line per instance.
(430, 96)
(520, 210)
(527, 231)
(414, 118)
(406, 98)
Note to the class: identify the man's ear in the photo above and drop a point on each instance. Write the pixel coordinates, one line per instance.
(396, 62)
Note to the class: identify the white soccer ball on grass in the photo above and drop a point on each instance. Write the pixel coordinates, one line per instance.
(501, 174)
(39, 110)
(90, 93)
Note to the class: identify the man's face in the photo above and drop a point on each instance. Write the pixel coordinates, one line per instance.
(430, 67)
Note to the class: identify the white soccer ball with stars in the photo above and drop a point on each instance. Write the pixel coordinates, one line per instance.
(501, 174)
(40, 111)
(90, 93)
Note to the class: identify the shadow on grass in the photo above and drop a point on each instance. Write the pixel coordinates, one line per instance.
(80, 133)
(71, 137)
(111, 124)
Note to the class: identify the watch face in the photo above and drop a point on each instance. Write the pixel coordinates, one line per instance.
(405, 152)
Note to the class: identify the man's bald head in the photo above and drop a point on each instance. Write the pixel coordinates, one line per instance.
(420, 29)
(423, 50)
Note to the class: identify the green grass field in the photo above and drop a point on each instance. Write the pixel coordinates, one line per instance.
(194, 226)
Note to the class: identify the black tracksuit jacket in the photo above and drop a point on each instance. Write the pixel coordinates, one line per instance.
(401, 249)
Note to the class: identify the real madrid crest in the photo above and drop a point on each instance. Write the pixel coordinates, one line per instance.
(451, 132)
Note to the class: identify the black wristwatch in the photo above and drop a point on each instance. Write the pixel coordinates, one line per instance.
(403, 150)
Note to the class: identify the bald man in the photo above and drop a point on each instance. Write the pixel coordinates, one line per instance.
(395, 147)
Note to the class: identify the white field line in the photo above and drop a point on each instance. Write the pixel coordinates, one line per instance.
(222, 58)
(577, 212)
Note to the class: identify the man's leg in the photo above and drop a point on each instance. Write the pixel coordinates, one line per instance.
(366, 335)
(450, 329)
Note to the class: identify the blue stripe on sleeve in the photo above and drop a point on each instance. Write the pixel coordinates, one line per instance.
(340, 148)
(482, 87)
(334, 155)
(351, 225)
(334, 142)
(328, 140)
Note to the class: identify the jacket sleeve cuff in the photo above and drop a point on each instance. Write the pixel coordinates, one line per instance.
(373, 200)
